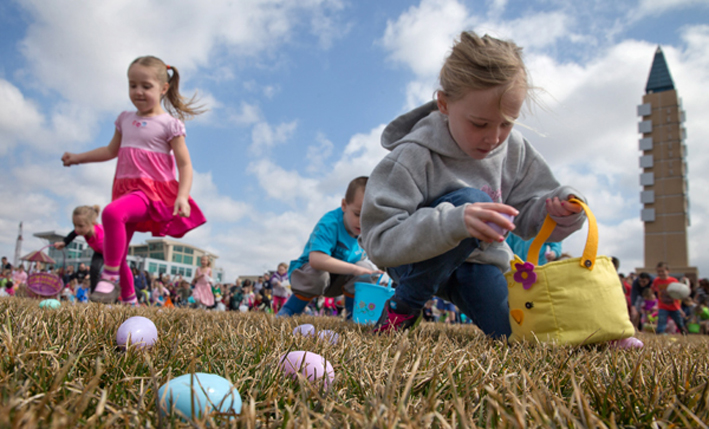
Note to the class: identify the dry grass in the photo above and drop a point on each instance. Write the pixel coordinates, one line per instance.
(60, 368)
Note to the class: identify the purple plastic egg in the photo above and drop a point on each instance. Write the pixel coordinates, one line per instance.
(305, 330)
(497, 228)
(328, 335)
(141, 330)
(312, 365)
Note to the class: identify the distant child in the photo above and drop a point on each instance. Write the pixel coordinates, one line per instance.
(456, 167)
(332, 260)
(649, 306)
(667, 306)
(7, 288)
(83, 290)
(86, 225)
(202, 292)
(280, 286)
(147, 197)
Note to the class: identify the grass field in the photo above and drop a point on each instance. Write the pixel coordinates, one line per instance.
(60, 368)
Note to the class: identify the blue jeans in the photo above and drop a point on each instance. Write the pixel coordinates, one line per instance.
(662, 320)
(479, 291)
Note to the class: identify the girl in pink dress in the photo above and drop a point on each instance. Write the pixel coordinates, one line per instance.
(84, 219)
(147, 197)
(202, 292)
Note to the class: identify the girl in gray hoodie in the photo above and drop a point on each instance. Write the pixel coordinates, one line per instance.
(457, 167)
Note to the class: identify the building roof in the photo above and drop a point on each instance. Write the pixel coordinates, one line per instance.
(660, 78)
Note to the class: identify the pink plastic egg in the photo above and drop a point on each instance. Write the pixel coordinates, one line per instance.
(141, 330)
(312, 365)
(497, 228)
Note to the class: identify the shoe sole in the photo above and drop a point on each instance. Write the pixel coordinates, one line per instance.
(106, 298)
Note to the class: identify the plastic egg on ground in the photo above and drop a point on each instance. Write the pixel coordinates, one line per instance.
(628, 343)
(312, 365)
(305, 330)
(678, 290)
(141, 330)
(50, 303)
(328, 335)
(199, 391)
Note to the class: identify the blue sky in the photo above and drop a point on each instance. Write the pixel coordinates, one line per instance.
(299, 92)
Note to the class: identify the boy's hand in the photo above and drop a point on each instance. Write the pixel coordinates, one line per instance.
(182, 207)
(69, 159)
(59, 245)
(556, 207)
(478, 214)
(361, 271)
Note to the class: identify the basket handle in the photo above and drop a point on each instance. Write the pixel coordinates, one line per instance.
(588, 259)
(388, 286)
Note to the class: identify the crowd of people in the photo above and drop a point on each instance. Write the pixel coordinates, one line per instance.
(265, 292)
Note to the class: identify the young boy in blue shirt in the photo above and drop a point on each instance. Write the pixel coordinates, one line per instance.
(332, 260)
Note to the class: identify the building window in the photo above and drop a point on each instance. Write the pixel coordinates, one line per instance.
(155, 246)
(173, 270)
(188, 272)
(189, 250)
(157, 255)
(187, 260)
(178, 249)
(176, 257)
(162, 268)
(181, 271)
(152, 267)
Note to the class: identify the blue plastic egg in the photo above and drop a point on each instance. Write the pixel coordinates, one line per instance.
(50, 303)
(199, 391)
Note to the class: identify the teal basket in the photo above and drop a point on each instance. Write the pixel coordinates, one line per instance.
(369, 302)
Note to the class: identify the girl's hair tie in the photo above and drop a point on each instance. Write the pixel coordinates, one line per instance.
(168, 67)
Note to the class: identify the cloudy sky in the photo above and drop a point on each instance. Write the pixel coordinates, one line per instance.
(299, 92)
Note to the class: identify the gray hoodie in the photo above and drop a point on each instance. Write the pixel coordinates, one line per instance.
(399, 226)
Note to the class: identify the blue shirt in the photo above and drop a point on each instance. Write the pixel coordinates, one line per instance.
(331, 238)
(521, 247)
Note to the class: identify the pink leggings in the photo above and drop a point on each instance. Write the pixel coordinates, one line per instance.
(119, 220)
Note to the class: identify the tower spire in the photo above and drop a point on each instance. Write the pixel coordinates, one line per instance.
(660, 78)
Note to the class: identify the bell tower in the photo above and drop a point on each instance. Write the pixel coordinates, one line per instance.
(664, 195)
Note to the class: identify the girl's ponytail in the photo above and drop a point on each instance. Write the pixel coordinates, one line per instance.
(175, 104)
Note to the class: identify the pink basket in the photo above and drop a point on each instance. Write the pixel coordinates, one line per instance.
(44, 284)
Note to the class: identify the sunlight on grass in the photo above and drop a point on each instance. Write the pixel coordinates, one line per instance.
(61, 368)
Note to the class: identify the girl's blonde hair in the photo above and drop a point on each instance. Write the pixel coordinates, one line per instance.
(175, 104)
(283, 264)
(90, 213)
(209, 260)
(478, 63)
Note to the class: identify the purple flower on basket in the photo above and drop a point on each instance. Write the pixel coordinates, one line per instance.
(525, 274)
(372, 306)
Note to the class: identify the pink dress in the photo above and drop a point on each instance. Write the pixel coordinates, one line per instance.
(202, 289)
(96, 240)
(146, 167)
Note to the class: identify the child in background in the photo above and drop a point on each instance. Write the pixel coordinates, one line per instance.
(667, 306)
(85, 223)
(202, 292)
(83, 290)
(280, 286)
(456, 167)
(147, 197)
(648, 309)
(19, 276)
(332, 260)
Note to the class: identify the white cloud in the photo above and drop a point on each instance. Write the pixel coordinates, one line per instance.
(249, 114)
(264, 136)
(318, 153)
(19, 118)
(422, 35)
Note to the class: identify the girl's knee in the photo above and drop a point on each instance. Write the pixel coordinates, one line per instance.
(111, 213)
